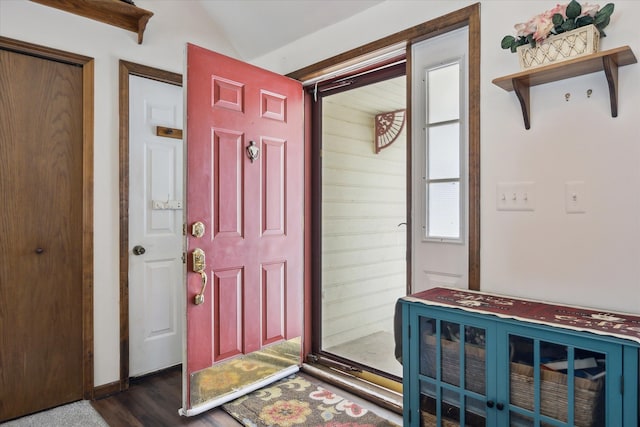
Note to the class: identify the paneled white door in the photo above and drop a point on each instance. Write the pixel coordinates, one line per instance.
(156, 217)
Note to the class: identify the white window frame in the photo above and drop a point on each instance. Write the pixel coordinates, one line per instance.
(461, 154)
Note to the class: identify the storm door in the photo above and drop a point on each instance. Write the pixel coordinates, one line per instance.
(363, 220)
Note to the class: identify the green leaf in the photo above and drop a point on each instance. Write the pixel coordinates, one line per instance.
(507, 42)
(604, 23)
(557, 19)
(607, 9)
(603, 15)
(569, 25)
(573, 9)
(584, 20)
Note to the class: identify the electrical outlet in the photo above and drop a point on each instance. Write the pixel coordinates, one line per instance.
(516, 196)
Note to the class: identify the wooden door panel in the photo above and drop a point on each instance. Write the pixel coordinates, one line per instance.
(273, 105)
(41, 178)
(228, 308)
(273, 188)
(227, 174)
(227, 94)
(274, 307)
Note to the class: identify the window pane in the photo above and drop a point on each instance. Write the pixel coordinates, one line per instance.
(444, 151)
(444, 211)
(443, 94)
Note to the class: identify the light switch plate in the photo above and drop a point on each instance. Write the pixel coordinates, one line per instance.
(516, 196)
(575, 197)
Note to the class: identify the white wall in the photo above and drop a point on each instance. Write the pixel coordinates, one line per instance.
(591, 259)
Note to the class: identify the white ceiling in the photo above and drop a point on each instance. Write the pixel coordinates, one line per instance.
(382, 97)
(256, 27)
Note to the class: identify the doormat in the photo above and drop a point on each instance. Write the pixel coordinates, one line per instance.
(296, 401)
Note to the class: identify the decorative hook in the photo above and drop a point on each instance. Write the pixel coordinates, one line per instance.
(253, 151)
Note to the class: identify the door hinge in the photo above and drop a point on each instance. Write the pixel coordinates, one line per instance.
(184, 229)
(184, 257)
(621, 384)
(409, 331)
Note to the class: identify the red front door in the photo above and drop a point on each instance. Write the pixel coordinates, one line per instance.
(251, 209)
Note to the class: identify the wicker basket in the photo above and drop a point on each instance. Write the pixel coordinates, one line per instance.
(430, 420)
(588, 396)
(474, 363)
(572, 44)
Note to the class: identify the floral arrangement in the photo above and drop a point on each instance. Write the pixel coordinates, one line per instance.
(561, 18)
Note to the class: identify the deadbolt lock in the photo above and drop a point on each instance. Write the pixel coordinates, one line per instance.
(197, 229)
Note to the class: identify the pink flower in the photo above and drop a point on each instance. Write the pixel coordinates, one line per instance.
(590, 9)
(351, 409)
(524, 29)
(540, 25)
(544, 25)
(327, 397)
(560, 8)
(286, 413)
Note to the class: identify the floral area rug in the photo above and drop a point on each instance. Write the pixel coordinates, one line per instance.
(296, 401)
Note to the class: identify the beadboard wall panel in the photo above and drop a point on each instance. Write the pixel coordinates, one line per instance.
(363, 203)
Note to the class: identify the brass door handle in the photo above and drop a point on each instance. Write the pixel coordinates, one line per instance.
(199, 266)
(199, 299)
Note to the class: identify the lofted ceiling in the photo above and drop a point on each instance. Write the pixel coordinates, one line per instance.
(256, 27)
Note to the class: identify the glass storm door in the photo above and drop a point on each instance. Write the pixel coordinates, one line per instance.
(363, 222)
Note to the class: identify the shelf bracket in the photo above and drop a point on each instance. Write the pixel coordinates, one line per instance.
(607, 61)
(611, 71)
(522, 92)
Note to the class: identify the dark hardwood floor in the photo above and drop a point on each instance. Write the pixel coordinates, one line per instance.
(154, 400)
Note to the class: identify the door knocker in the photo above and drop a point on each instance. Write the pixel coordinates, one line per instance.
(252, 151)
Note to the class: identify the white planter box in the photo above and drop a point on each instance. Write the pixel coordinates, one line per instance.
(579, 42)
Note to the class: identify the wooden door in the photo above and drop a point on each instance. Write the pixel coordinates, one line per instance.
(156, 311)
(251, 209)
(41, 224)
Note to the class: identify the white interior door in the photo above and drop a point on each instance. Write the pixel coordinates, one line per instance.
(440, 138)
(156, 217)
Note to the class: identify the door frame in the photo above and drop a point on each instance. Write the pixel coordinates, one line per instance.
(396, 69)
(467, 16)
(86, 258)
(126, 69)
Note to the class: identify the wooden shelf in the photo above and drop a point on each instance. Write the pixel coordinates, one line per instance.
(113, 12)
(607, 61)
